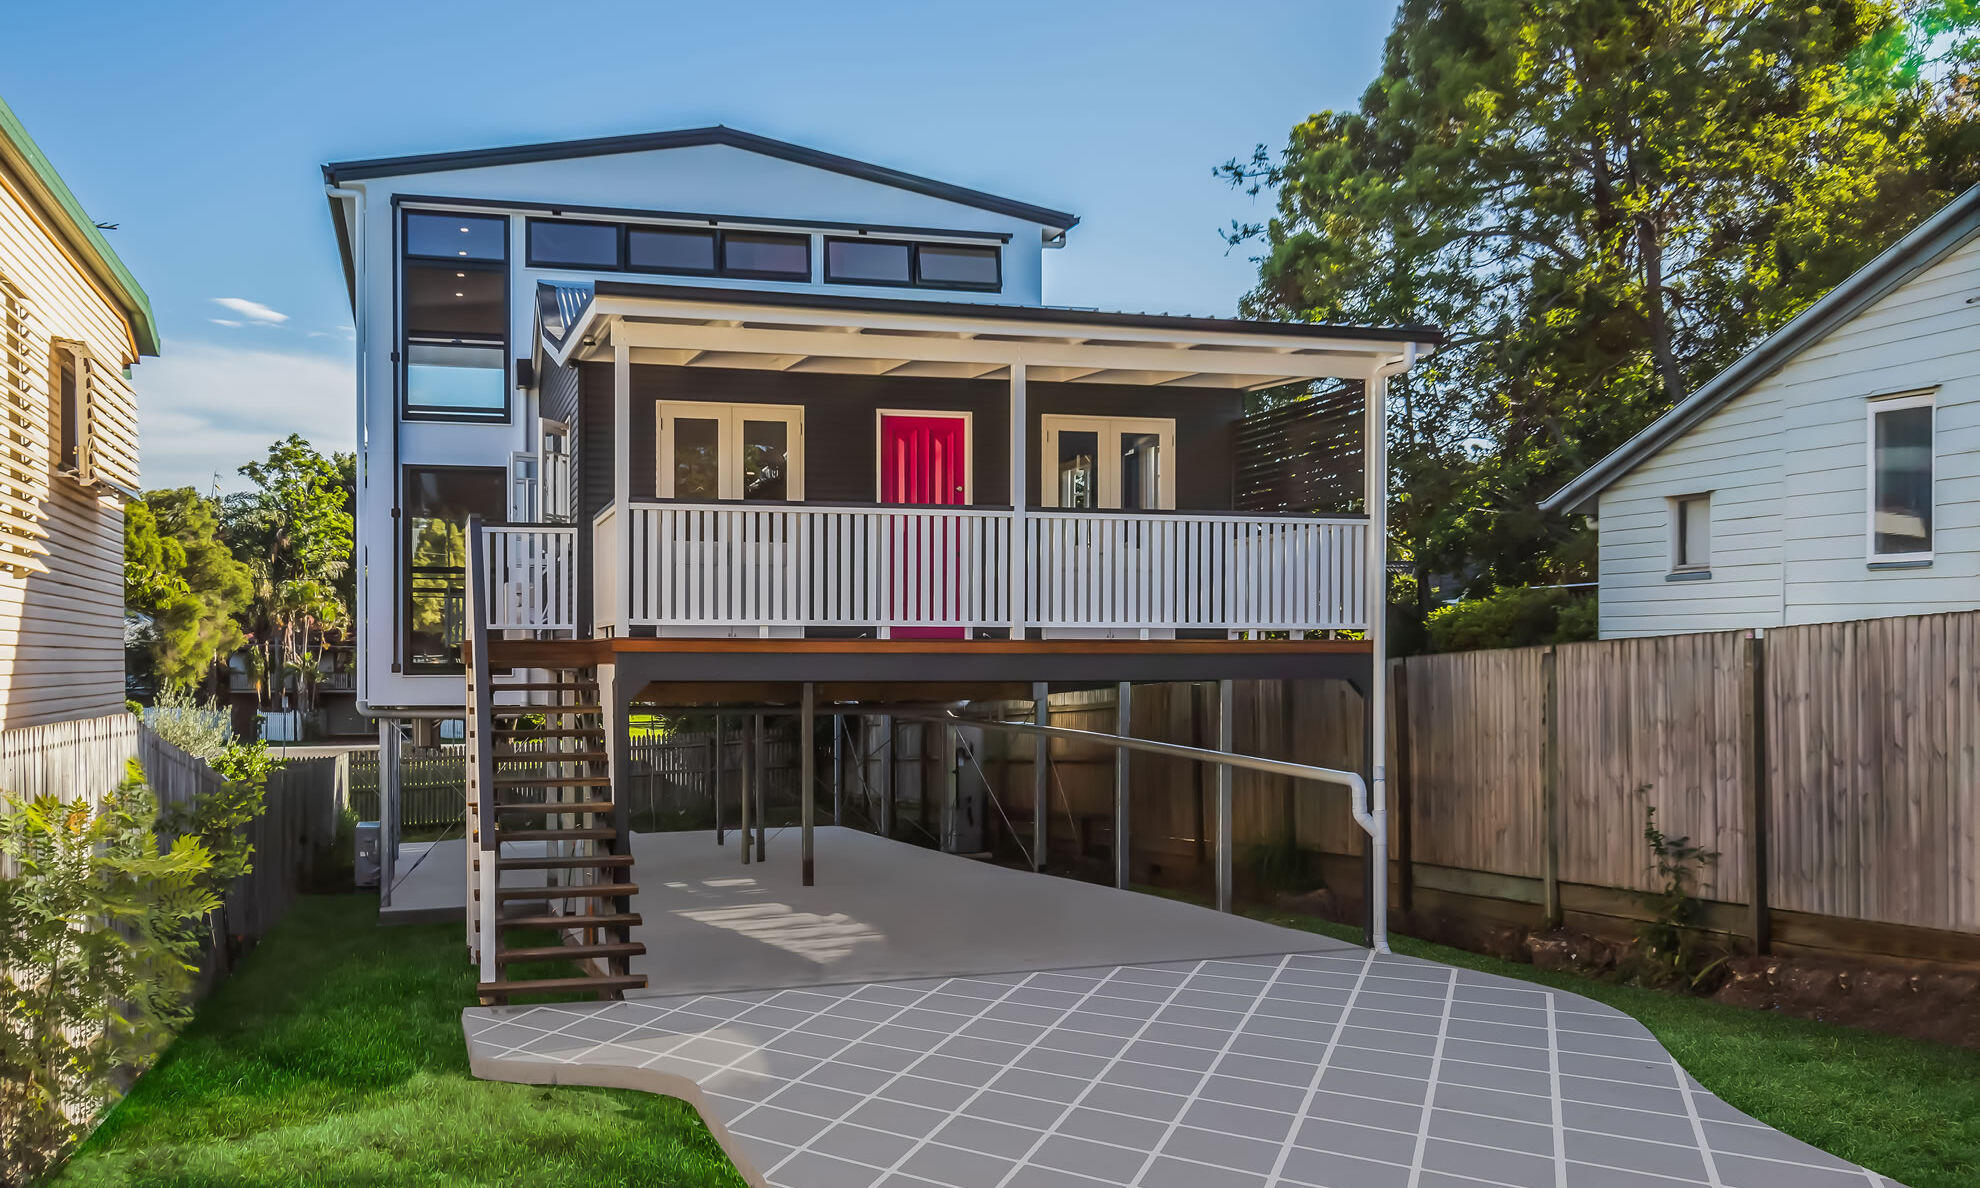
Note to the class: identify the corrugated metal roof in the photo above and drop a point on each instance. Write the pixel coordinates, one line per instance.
(21, 151)
(560, 306)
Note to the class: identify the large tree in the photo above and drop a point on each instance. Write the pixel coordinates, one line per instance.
(180, 575)
(1603, 202)
(294, 530)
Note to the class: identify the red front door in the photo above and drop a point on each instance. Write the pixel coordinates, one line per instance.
(924, 460)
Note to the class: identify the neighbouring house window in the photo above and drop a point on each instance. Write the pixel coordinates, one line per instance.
(525, 505)
(1109, 462)
(1691, 533)
(556, 476)
(68, 395)
(456, 320)
(436, 504)
(923, 265)
(1901, 478)
(555, 244)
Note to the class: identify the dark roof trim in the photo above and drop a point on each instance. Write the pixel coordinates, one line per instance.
(1927, 244)
(339, 172)
(1014, 313)
(564, 209)
(19, 152)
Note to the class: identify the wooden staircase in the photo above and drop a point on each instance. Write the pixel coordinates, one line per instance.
(552, 814)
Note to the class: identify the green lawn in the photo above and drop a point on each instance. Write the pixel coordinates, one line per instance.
(1908, 1109)
(334, 1056)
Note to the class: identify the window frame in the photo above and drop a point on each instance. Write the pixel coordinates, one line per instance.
(66, 358)
(1875, 407)
(714, 238)
(407, 666)
(532, 260)
(793, 277)
(1107, 461)
(915, 278)
(408, 411)
(1679, 535)
(728, 417)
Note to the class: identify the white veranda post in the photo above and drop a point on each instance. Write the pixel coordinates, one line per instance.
(1375, 453)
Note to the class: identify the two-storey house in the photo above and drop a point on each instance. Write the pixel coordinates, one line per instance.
(703, 418)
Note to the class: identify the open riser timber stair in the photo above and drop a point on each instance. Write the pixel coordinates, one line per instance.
(540, 783)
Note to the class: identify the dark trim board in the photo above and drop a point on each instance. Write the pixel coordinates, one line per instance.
(812, 299)
(875, 662)
(664, 217)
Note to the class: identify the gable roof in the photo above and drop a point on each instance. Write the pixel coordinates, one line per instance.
(1927, 244)
(339, 172)
(24, 159)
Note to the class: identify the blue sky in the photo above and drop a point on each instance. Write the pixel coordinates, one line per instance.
(200, 128)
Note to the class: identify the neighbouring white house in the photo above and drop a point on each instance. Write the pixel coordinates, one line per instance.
(72, 322)
(1831, 473)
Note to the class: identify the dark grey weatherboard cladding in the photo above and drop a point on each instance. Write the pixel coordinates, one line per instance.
(841, 425)
(340, 172)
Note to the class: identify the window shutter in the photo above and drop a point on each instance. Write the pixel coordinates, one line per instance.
(109, 440)
(24, 422)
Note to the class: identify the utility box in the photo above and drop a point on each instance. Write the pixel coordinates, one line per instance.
(365, 863)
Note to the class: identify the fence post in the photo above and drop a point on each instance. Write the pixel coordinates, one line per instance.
(1753, 777)
(1403, 834)
(1550, 789)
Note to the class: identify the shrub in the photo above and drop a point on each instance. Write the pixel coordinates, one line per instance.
(178, 717)
(97, 944)
(1512, 617)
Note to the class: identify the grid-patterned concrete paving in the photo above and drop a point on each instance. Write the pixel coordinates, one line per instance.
(1333, 1069)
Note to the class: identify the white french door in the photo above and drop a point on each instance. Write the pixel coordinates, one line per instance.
(730, 451)
(1109, 462)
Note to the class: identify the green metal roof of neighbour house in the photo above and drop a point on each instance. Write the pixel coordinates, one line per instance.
(20, 154)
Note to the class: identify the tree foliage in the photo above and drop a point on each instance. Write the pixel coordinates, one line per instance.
(1604, 202)
(97, 951)
(295, 531)
(180, 574)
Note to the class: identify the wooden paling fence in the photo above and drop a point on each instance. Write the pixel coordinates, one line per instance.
(1833, 768)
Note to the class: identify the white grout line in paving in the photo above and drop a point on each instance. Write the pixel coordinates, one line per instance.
(1308, 1070)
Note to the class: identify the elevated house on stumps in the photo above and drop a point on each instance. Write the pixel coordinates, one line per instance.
(706, 419)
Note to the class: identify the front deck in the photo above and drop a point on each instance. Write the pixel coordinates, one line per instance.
(919, 1020)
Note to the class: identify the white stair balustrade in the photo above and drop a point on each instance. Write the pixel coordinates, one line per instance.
(532, 577)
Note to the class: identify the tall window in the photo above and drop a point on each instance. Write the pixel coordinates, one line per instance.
(1691, 533)
(438, 501)
(1900, 478)
(68, 395)
(456, 316)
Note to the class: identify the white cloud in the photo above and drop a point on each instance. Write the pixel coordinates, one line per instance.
(205, 408)
(224, 322)
(253, 311)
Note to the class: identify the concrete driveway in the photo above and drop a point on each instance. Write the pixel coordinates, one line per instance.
(922, 1021)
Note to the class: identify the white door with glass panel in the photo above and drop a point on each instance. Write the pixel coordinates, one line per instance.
(1122, 465)
(1109, 462)
(731, 451)
(735, 453)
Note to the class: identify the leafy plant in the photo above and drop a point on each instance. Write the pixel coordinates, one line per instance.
(180, 574)
(198, 728)
(1671, 948)
(1512, 618)
(96, 959)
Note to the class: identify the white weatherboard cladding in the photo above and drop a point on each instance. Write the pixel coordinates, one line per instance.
(706, 179)
(1785, 462)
